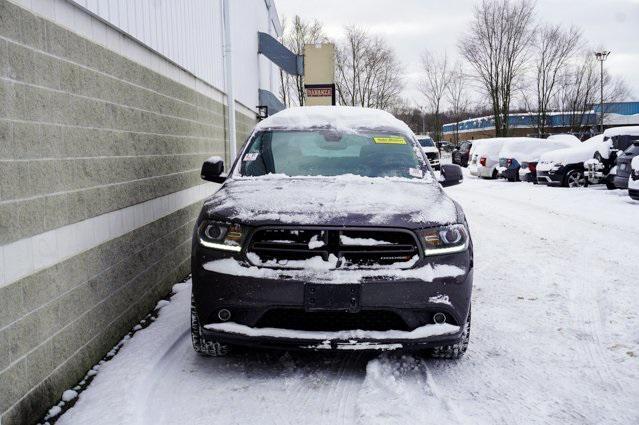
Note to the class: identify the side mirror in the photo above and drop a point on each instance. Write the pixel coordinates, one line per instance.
(450, 175)
(212, 170)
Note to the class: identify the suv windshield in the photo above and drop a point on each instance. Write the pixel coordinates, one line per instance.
(328, 153)
(426, 143)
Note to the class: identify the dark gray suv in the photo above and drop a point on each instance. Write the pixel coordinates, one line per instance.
(331, 231)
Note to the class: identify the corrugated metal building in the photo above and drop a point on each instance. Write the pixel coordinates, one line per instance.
(522, 124)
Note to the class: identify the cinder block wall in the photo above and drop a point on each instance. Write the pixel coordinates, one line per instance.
(99, 190)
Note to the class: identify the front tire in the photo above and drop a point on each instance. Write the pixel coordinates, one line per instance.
(575, 178)
(454, 351)
(201, 345)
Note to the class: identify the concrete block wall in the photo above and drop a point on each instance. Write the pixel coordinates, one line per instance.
(99, 190)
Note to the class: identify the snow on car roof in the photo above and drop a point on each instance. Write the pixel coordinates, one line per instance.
(573, 155)
(620, 131)
(343, 118)
(529, 149)
(564, 137)
(490, 147)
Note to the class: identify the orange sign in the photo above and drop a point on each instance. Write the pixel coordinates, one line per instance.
(319, 92)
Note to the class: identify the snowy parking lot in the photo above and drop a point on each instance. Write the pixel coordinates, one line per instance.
(555, 338)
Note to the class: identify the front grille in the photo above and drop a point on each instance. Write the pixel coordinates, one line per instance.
(432, 156)
(352, 247)
(368, 320)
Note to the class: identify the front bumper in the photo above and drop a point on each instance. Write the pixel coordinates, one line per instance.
(549, 178)
(252, 299)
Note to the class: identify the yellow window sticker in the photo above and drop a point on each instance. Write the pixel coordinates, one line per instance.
(390, 140)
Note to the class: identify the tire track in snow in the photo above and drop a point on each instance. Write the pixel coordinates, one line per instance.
(581, 292)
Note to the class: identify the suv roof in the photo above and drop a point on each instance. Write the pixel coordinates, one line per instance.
(342, 118)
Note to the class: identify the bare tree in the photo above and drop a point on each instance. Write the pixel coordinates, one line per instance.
(457, 97)
(297, 34)
(554, 47)
(496, 47)
(579, 91)
(367, 71)
(434, 85)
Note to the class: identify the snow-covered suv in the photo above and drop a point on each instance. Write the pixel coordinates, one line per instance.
(565, 167)
(601, 168)
(430, 150)
(331, 231)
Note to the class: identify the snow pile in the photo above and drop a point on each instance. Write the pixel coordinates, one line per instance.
(343, 118)
(574, 155)
(528, 149)
(333, 201)
(425, 331)
(318, 270)
(69, 395)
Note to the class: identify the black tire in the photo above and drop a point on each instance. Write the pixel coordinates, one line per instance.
(575, 178)
(202, 346)
(495, 174)
(454, 351)
(610, 186)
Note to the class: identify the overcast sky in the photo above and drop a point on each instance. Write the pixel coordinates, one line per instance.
(410, 26)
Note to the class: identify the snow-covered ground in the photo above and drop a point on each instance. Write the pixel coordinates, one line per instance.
(555, 338)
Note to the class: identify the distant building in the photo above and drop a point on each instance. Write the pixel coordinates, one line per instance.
(525, 124)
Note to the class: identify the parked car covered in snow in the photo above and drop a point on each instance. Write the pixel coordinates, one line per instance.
(430, 150)
(331, 231)
(633, 181)
(519, 155)
(461, 154)
(484, 157)
(601, 168)
(565, 167)
(624, 167)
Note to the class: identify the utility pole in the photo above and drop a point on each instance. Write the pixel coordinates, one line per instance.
(601, 57)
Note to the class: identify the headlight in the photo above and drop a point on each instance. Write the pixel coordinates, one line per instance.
(224, 236)
(557, 164)
(445, 239)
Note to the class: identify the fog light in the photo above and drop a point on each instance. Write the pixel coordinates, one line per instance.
(224, 315)
(439, 318)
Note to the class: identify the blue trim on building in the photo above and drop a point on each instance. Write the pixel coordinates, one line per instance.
(553, 120)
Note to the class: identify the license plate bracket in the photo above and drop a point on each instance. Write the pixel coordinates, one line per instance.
(332, 297)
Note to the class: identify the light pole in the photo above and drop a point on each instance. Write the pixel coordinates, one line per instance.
(601, 57)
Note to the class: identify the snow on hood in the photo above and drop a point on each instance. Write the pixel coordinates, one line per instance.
(528, 149)
(487, 147)
(343, 118)
(622, 131)
(341, 200)
(574, 155)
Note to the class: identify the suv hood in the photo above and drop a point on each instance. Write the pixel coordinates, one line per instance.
(333, 201)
